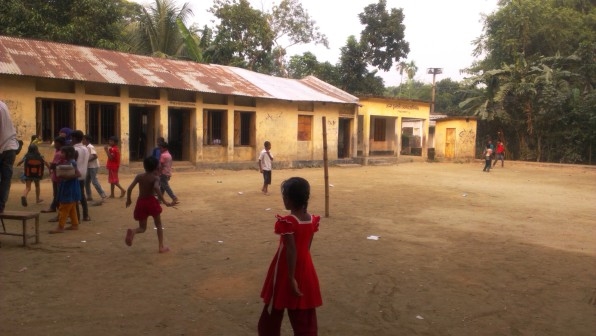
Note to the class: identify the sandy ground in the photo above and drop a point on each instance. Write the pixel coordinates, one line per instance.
(461, 252)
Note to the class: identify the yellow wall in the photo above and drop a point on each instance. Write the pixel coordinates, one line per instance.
(465, 138)
(276, 121)
(395, 111)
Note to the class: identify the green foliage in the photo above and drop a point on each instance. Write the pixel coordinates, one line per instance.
(291, 25)
(537, 80)
(383, 36)
(93, 23)
(243, 37)
(156, 31)
(354, 75)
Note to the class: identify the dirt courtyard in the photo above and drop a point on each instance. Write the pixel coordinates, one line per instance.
(460, 252)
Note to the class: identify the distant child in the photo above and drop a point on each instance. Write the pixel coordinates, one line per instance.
(292, 281)
(69, 192)
(35, 140)
(59, 142)
(500, 155)
(488, 152)
(113, 165)
(156, 153)
(92, 170)
(32, 172)
(265, 159)
(147, 205)
(165, 170)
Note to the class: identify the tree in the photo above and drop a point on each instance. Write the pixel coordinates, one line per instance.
(383, 36)
(531, 80)
(243, 37)
(156, 32)
(354, 75)
(92, 23)
(303, 65)
(291, 24)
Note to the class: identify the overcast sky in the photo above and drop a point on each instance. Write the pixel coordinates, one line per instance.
(440, 32)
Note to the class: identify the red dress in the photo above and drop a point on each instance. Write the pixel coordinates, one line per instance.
(277, 288)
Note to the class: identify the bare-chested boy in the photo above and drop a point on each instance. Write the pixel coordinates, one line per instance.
(147, 205)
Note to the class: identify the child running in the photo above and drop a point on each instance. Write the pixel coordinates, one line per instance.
(147, 205)
(33, 172)
(291, 281)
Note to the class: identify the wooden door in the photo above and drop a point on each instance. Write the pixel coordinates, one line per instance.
(450, 143)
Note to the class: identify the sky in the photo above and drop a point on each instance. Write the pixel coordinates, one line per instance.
(440, 32)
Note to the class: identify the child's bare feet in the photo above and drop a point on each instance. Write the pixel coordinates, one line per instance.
(164, 249)
(130, 234)
(39, 201)
(122, 193)
(57, 230)
(72, 227)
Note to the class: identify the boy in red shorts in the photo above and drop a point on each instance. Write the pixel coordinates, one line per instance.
(147, 205)
(113, 165)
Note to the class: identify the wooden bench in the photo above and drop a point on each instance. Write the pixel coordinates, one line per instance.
(23, 216)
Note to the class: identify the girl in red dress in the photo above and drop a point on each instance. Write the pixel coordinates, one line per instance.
(291, 281)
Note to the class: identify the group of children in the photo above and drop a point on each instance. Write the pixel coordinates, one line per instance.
(291, 282)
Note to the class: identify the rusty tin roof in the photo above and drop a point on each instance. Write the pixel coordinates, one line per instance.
(24, 57)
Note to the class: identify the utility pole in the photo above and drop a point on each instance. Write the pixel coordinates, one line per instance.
(434, 72)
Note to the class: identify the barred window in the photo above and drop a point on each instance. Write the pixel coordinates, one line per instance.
(102, 121)
(52, 115)
(380, 129)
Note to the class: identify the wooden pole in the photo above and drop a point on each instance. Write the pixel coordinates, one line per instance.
(326, 167)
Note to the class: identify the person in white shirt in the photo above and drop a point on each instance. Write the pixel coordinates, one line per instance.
(92, 170)
(82, 164)
(265, 160)
(8, 152)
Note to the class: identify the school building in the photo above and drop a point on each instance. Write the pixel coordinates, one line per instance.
(211, 115)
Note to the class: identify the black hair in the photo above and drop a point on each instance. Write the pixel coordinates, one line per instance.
(32, 149)
(160, 140)
(61, 140)
(77, 135)
(69, 152)
(88, 137)
(114, 138)
(267, 143)
(164, 145)
(150, 163)
(297, 191)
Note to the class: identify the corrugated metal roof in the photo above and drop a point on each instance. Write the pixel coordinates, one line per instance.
(62, 61)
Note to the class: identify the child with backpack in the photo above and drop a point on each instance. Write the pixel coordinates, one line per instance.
(33, 172)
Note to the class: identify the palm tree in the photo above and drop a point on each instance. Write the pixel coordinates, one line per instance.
(401, 67)
(157, 32)
(411, 70)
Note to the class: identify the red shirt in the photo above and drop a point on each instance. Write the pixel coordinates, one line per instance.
(500, 148)
(113, 158)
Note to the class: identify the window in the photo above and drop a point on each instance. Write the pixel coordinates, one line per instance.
(304, 128)
(380, 129)
(54, 114)
(244, 125)
(102, 121)
(214, 127)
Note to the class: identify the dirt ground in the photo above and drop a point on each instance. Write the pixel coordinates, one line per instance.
(460, 252)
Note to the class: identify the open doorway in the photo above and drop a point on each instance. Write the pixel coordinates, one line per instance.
(179, 133)
(142, 131)
(344, 137)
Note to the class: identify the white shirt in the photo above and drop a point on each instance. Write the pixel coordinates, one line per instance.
(94, 163)
(265, 160)
(8, 134)
(82, 159)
